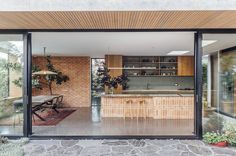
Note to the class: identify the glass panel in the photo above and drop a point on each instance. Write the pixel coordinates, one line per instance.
(158, 98)
(97, 88)
(227, 81)
(219, 82)
(11, 69)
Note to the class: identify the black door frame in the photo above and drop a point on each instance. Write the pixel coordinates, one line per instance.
(198, 84)
(27, 131)
(197, 97)
(27, 87)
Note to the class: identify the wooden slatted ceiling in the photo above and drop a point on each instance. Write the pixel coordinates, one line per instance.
(118, 20)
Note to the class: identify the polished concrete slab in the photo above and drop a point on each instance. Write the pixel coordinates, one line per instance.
(88, 122)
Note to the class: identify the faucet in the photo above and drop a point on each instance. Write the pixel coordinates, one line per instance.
(148, 86)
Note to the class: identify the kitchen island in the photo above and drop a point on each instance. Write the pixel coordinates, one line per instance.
(157, 106)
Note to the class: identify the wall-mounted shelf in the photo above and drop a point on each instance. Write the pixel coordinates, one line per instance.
(136, 66)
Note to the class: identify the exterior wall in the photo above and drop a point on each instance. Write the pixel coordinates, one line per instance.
(76, 91)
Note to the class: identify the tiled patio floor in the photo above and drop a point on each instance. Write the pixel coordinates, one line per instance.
(124, 148)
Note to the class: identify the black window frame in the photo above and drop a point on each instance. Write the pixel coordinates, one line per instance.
(27, 93)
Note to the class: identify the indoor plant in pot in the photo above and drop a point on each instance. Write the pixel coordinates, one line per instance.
(216, 139)
(111, 82)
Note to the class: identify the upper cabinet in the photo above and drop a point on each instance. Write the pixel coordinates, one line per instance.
(185, 66)
(114, 64)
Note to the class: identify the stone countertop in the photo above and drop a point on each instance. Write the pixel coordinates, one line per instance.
(147, 95)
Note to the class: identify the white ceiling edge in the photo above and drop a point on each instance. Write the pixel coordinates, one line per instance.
(99, 44)
(116, 5)
(223, 41)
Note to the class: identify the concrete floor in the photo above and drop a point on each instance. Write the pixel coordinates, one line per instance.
(87, 121)
(124, 148)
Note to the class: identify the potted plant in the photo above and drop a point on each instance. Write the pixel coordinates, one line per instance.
(232, 138)
(216, 139)
(110, 82)
(207, 111)
(230, 131)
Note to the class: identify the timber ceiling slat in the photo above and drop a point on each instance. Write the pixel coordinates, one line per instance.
(47, 19)
(214, 18)
(157, 18)
(81, 17)
(118, 20)
(89, 20)
(228, 18)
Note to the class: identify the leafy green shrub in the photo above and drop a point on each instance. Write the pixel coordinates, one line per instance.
(232, 138)
(230, 130)
(214, 124)
(3, 140)
(212, 137)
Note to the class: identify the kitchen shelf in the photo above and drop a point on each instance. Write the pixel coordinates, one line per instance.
(150, 65)
(127, 68)
(168, 62)
(152, 75)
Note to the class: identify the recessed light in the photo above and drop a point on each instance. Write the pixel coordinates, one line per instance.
(207, 42)
(177, 52)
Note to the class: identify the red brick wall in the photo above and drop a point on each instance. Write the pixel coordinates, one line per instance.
(76, 91)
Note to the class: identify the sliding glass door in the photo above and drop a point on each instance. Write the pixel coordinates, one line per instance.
(61, 81)
(143, 87)
(11, 76)
(219, 82)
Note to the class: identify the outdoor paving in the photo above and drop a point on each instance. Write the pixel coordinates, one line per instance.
(124, 148)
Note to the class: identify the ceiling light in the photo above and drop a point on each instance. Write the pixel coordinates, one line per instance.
(177, 52)
(44, 72)
(207, 42)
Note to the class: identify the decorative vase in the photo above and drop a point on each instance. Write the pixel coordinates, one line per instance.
(110, 90)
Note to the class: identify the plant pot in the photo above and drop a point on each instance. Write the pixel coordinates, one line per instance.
(208, 111)
(110, 90)
(221, 144)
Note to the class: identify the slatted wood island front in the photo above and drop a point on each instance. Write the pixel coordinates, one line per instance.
(158, 106)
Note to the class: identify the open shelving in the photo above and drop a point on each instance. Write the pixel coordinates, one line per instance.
(136, 66)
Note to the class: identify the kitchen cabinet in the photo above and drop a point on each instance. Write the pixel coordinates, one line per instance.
(114, 64)
(159, 106)
(185, 66)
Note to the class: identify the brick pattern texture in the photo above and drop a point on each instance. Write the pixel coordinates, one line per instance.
(76, 91)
